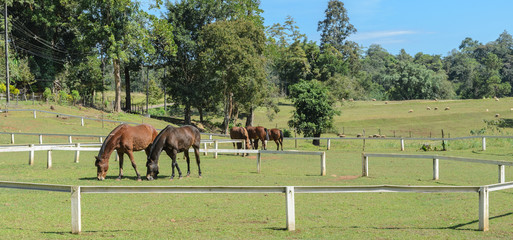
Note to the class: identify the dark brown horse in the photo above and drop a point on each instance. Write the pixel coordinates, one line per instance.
(240, 133)
(174, 140)
(124, 139)
(277, 136)
(257, 133)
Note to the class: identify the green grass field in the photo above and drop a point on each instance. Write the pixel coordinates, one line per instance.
(28, 214)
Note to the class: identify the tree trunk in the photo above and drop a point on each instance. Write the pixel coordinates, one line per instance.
(316, 142)
(200, 111)
(227, 112)
(187, 113)
(117, 83)
(249, 119)
(128, 100)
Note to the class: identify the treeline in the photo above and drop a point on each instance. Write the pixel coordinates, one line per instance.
(218, 58)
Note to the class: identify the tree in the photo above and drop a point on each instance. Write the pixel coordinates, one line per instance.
(335, 27)
(314, 110)
(233, 54)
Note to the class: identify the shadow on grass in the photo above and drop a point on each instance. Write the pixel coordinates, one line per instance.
(491, 154)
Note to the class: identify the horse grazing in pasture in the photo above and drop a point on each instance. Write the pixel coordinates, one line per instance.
(258, 133)
(124, 139)
(277, 136)
(240, 133)
(174, 140)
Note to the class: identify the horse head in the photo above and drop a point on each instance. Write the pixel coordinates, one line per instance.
(152, 166)
(102, 168)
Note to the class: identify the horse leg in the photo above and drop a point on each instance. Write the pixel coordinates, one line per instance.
(186, 154)
(197, 155)
(120, 154)
(131, 155)
(256, 144)
(264, 144)
(172, 155)
(277, 145)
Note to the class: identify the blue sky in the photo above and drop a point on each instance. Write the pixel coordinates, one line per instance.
(428, 26)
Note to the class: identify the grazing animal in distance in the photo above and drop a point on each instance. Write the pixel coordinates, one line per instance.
(174, 140)
(125, 139)
(258, 133)
(277, 136)
(240, 133)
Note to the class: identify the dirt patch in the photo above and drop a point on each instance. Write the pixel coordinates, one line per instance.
(347, 177)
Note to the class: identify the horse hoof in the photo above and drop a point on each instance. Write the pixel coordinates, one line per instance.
(118, 179)
(200, 176)
(139, 180)
(170, 179)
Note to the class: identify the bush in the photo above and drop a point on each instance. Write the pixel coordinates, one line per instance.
(286, 133)
(47, 94)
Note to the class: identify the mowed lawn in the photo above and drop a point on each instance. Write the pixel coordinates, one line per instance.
(29, 214)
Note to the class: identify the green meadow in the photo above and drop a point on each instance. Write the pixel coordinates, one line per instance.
(29, 214)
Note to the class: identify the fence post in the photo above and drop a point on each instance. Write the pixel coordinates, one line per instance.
(117, 156)
(291, 213)
(435, 169)
(365, 165)
(402, 144)
(49, 159)
(205, 147)
(34, 114)
(77, 153)
(101, 139)
(40, 139)
(31, 154)
(484, 213)
(76, 222)
(12, 138)
(484, 144)
(215, 146)
(502, 174)
(329, 144)
(323, 164)
(258, 161)
(69, 139)
(82, 122)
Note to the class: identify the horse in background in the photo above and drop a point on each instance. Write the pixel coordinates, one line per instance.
(240, 133)
(125, 139)
(258, 133)
(277, 136)
(174, 140)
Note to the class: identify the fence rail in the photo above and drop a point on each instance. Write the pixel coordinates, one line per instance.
(436, 167)
(76, 191)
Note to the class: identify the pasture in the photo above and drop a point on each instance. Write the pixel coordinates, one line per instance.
(46, 215)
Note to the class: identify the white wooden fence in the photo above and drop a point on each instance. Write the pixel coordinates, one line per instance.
(76, 192)
(77, 148)
(501, 164)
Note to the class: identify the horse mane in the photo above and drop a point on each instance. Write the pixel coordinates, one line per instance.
(109, 138)
(157, 138)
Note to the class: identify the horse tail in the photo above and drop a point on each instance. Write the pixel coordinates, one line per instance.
(266, 134)
(281, 136)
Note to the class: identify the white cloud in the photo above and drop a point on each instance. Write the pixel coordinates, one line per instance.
(380, 35)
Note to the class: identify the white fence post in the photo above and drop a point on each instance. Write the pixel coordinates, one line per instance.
(436, 169)
(323, 164)
(31, 155)
(76, 221)
(100, 139)
(258, 161)
(77, 153)
(12, 138)
(49, 159)
(82, 122)
(402, 144)
(34, 114)
(291, 213)
(484, 213)
(205, 147)
(40, 139)
(70, 139)
(365, 165)
(215, 146)
(329, 144)
(502, 174)
(484, 144)
(117, 156)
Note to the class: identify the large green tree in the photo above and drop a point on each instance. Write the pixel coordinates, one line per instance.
(335, 27)
(314, 109)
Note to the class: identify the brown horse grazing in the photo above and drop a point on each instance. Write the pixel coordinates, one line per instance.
(173, 140)
(124, 139)
(258, 133)
(240, 133)
(277, 136)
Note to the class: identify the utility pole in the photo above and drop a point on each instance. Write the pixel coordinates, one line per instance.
(6, 56)
(164, 83)
(147, 90)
